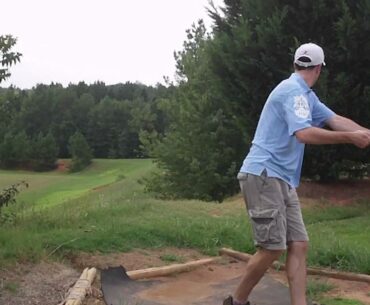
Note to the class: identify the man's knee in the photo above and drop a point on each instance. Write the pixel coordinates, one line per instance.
(298, 247)
(272, 254)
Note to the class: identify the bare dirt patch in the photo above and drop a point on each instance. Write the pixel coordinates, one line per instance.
(137, 259)
(40, 284)
(351, 290)
(48, 282)
(63, 165)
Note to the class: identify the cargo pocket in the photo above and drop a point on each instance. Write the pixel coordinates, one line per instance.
(267, 226)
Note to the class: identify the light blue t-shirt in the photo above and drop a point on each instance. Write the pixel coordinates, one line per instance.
(290, 107)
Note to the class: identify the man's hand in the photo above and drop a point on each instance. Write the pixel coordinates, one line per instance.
(361, 138)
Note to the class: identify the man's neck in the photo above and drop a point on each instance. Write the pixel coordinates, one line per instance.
(307, 77)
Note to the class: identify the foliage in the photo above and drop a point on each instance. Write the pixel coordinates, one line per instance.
(199, 129)
(80, 152)
(7, 56)
(7, 196)
(19, 151)
(15, 150)
(224, 79)
(110, 117)
(44, 152)
(196, 157)
(253, 47)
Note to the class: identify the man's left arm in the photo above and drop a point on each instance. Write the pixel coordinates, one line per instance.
(340, 123)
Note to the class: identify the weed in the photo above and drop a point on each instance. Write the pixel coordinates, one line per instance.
(316, 288)
(340, 301)
(12, 287)
(171, 258)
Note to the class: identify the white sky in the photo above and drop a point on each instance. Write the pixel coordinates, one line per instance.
(88, 40)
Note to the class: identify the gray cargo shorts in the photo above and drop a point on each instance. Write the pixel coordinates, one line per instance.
(274, 210)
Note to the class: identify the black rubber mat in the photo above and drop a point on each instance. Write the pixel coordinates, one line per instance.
(119, 289)
(184, 289)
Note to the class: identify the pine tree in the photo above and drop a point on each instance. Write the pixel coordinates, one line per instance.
(15, 150)
(224, 80)
(44, 152)
(80, 151)
(252, 50)
(196, 157)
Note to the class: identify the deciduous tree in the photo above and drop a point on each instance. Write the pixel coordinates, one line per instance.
(7, 56)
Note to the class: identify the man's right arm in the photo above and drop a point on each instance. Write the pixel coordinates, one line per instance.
(315, 135)
(340, 123)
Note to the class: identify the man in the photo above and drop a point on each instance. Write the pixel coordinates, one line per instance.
(292, 117)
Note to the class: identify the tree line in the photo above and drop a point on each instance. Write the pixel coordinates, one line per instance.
(199, 129)
(38, 126)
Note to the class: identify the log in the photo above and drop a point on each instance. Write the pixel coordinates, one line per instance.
(349, 276)
(167, 270)
(235, 254)
(78, 292)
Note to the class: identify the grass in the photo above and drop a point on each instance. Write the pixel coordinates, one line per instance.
(315, 289)
(170, 258)
(117, 217)
(340, 301)
(49, 189)
(12, 287)
(105, 209)
(339, 237)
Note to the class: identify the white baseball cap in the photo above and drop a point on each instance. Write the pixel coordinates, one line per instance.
(309, 54)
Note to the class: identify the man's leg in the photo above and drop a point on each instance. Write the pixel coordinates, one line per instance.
(296, 271)
(256, 268)
(265, 204)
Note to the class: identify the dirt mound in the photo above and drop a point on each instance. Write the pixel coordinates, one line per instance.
(63, 165)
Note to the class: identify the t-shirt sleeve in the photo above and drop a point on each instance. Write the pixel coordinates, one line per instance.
(320, 113)
(297, 113)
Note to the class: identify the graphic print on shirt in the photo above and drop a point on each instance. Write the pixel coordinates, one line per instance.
(301, 107)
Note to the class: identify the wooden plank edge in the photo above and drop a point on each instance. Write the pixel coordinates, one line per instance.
(171, 269)
(77, 293)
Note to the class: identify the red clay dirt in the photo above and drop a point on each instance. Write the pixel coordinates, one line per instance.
(47, 282)
(63, 165)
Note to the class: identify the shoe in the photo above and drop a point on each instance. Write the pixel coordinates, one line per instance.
(229, 301)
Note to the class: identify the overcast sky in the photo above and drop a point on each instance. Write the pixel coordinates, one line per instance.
(88, 40)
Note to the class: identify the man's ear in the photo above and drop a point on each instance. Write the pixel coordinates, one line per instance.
(318, 69)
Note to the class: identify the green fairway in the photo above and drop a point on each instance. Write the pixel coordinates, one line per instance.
(48, 189)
